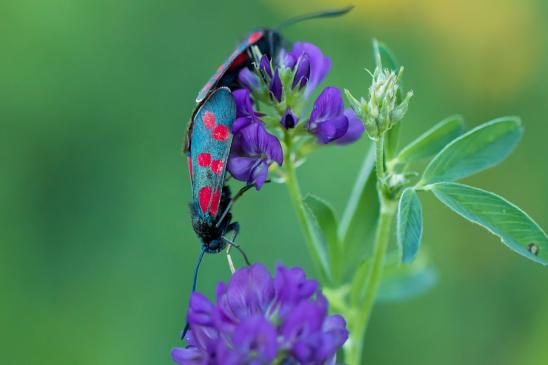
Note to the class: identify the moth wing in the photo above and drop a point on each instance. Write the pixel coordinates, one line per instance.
(210, 142)
(237, 57)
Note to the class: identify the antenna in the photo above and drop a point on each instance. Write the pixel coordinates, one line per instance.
(194, 281)
(316, 15)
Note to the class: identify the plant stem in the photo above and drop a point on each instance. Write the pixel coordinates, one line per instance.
(297, 199)
(382, 238)
(379, 149)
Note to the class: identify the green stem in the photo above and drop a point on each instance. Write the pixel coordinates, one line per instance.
(379, 149)
(297, 199)
(358, 326)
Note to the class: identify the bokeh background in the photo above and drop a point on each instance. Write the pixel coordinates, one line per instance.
(97, 250)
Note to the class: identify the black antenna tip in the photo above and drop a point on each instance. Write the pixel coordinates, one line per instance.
(347, 9)
(316, 15)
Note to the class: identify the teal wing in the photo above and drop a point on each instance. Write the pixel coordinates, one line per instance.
(210, 142)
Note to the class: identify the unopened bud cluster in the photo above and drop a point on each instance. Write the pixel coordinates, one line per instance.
(383, 108)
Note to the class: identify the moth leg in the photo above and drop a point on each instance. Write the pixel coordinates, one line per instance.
(229, 259)
(235, 228)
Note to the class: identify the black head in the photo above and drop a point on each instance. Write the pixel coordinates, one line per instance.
(211, 235)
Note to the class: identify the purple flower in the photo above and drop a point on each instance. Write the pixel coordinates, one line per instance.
(330, 122)
(245, 115)
(276, 87)
(265, 67)
(257, 318)
(355, 128)
(327, 120)
(289, 120)
(253, 150)
(319, 64)
(248, 79)
(302, 74)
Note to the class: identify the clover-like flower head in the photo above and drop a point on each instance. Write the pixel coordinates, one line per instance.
(258, 319)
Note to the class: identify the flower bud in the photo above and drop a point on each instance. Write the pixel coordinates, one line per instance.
(383, 109)
(248, 79)
(302, 73)
(289, 120)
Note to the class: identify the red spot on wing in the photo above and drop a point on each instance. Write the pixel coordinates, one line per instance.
(239, 60)
(220, 132)
(209, 119)
(205, 197)
(214, 209)
(254, 37)
(217, 166)
(189, 161)
(204, 159)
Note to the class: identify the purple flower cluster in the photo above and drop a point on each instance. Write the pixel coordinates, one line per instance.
(303, 68)
(312, 65)
(253, 148)
(259, 319)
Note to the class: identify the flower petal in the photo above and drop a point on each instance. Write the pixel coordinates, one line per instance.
(249, 291)
(355, 128)
(276, 87)
(328, 104)
(303, 72)
(244, 105)
(319, 64)
(264, 65)
(331, 130)
(247, 140)
(248, 78)
(304, 320)
(286, 59)
(270, 145)
(200, 310)
(257, 337)
(292, 285)
(188, 356)
(240, 123)
(240, 167)
(260, 173)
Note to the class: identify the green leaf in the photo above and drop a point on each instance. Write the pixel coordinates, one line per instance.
(357, 226)
(406, 284)
(409, 225)
(400, 282)
(359, 282)
(514, 227)
(480, 148)
(385, 58)
(326, 225)
(433, 140)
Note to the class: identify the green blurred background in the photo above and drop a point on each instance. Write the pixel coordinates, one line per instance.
(97, 249)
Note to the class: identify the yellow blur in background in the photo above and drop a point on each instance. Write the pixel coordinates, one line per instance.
(97, 250)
